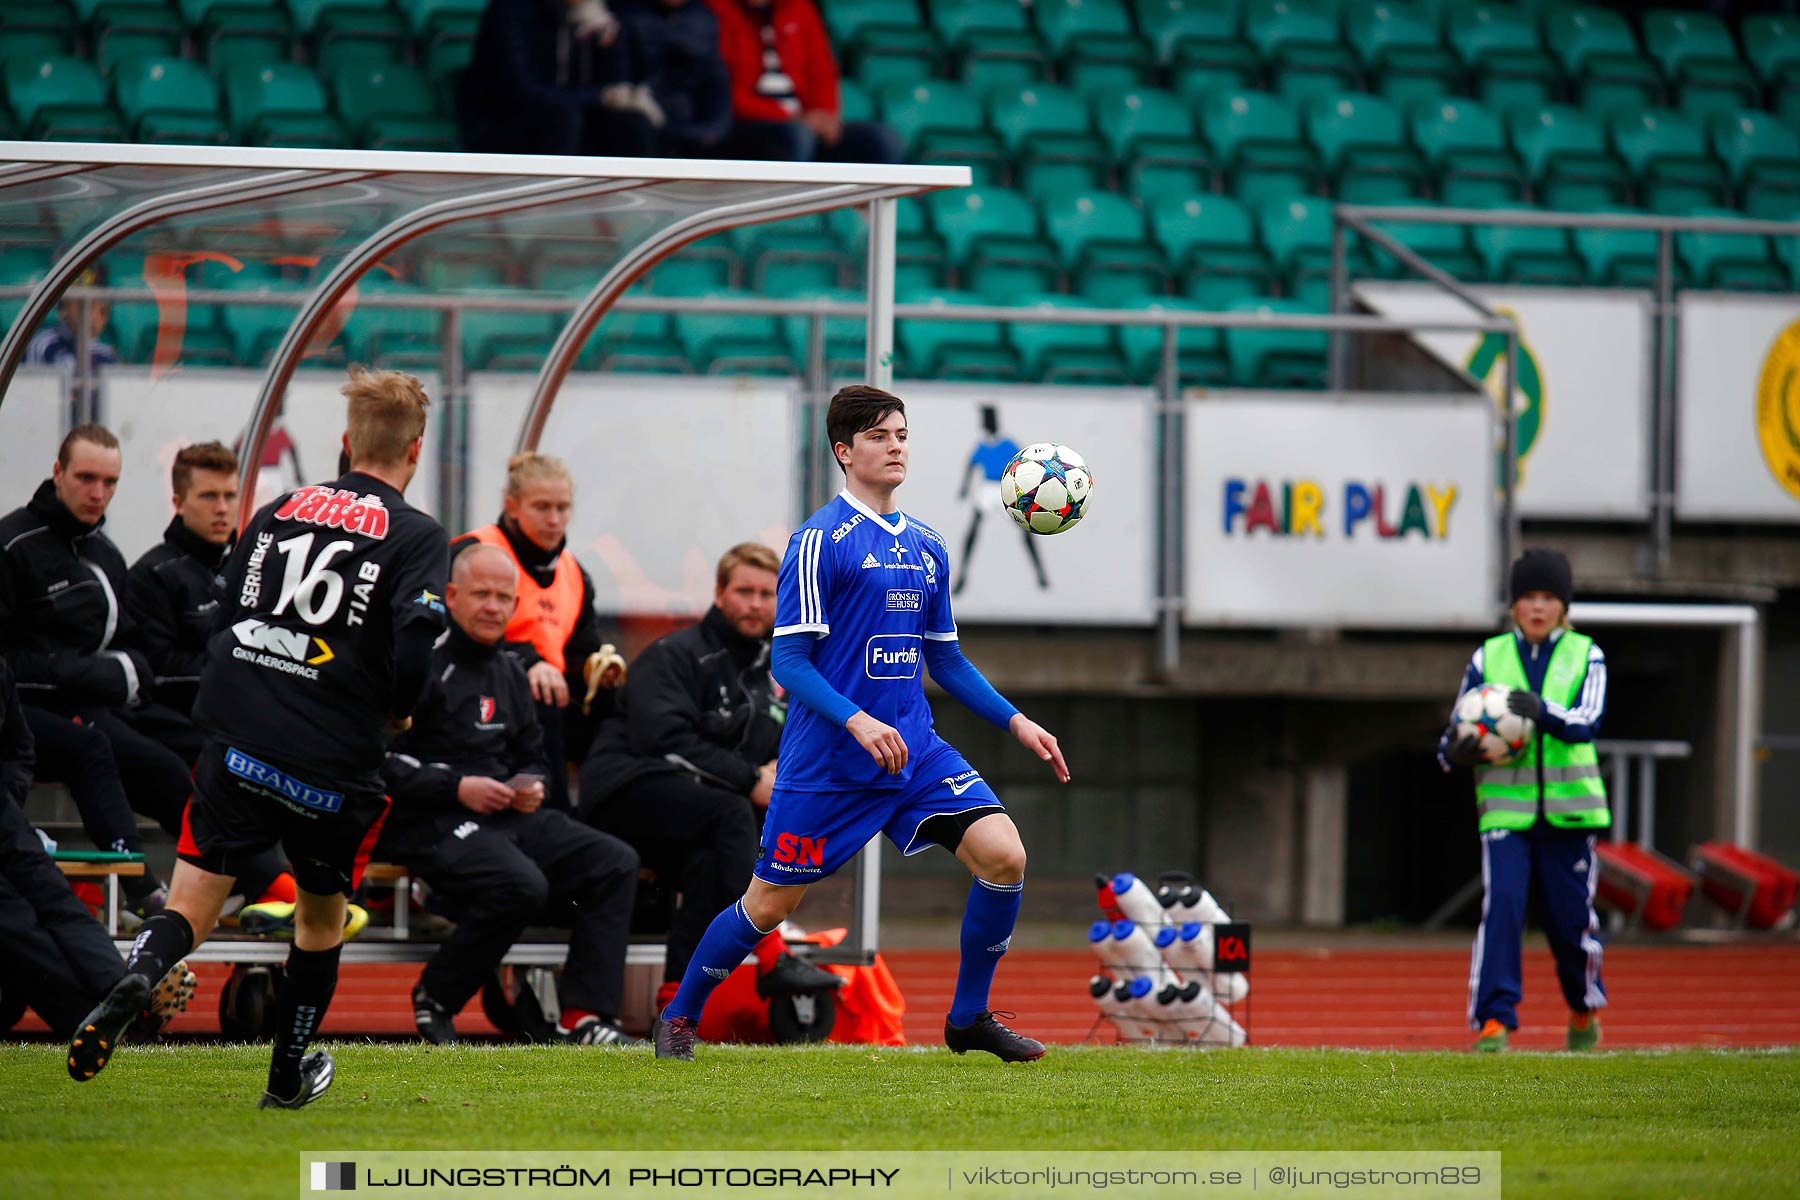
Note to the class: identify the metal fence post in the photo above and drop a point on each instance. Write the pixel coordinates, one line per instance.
(1171, 585)
(1662, 449)
(1340, 286)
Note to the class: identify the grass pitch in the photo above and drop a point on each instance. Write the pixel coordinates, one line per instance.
(1686, 1123)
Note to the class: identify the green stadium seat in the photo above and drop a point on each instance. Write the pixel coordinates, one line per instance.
(447, 273)
(1212, 242)
(393, 338)
(1068, 354)
(1467, 148)
(240, 34)
(1104, 244)
(1361, 139)
(279, 104)
(390, 106)
(850, 20)
(1094, 43)
(992, 42)
(1276, 358)
(808, 242)
(882, 42)
(169, 100)
(1045, 127)
(369, 35)
(954, 350)
(1400, 50)
(691, 275)
(1668, 155)
(1443, 245)
(1763, 156)
(1500, 46)
(1566, 152)
(920, 260)
(309, 14)
(127, 31)
(36, 31)
(20, 265)
(941, 122)
(1701, 61)
(1737, 262)
(1600, 56)
(431, 18)
(507, 341)
(1299, 46)
(854, 101)
(1257, 136)
(1198, 42)
(1154, 143)
(1617, 257)
(846, 338)
(1200, 351)
(736, 343)
(1772, 44)
(254, 330)
(1297, 232)
(61, 99)
(1527, 254)
(991, 235)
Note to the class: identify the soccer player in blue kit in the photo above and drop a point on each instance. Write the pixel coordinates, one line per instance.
(862, 607)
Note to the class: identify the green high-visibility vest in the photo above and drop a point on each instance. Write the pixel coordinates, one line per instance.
(1561, 777)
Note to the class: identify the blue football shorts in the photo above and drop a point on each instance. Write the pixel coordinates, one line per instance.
(809, 835)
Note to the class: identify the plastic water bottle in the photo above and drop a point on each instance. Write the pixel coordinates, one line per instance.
(1136, 900)
(1137, 1002)
(1111, 953)
(1109, 903)
(1193, 903)
(1138, 955)
(1191, 950)
(1112, 1007)
(1186, 1008)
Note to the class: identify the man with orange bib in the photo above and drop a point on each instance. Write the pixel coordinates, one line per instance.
(554, 633)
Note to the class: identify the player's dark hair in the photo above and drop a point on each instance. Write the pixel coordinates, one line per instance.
(202, 456)
(854, 409)
(98, 435)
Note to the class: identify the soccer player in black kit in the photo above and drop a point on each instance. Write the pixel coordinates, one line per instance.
(329, 606)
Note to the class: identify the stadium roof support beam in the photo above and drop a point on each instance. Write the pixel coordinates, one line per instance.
(140, 216)
(640, 258)
(352, 267)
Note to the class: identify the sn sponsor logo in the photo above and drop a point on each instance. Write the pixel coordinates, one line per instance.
(801, 851)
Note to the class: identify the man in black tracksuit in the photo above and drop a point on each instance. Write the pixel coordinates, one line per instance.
(685, 774)
(82, 675)
(467, 781)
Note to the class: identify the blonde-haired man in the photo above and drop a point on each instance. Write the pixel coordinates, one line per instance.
(329, 607)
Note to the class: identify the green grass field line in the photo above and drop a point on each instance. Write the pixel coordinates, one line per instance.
(1691, 1123)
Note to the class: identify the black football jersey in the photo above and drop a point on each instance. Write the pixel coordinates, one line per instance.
(300, 664)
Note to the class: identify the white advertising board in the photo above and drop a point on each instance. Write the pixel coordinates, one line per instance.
(1582, 394)
(669, 474)
(33, 418)
(156, 414)
(1738, 421)
(1312, 512)
(1102, 571)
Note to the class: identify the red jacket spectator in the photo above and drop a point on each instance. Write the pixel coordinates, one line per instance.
(802, 45)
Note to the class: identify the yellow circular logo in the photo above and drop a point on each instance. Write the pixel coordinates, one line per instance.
(1778, 409)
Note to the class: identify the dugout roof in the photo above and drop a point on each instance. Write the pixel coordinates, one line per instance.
(343, 211)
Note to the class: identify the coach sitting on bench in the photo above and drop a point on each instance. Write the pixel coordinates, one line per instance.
(467, 782)
(685, 773)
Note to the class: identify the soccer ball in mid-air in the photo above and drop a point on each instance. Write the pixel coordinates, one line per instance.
(1046, 487)
(1482, 712)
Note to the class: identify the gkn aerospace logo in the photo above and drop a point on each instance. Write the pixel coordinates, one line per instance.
(287, 650)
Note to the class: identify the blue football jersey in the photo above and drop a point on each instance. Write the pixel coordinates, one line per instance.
(872, 591)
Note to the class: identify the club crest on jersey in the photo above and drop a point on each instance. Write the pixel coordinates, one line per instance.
(336, 508)
(893, 656)
(486, 709)
(930, 568)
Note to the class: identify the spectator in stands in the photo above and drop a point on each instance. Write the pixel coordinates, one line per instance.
(555, 77)
(679, 44)
(169, 595)
(467, 785)
(76, 654)
(555, 633)
(784, 88)
(54, 957)
(685, 773)
(57, 343)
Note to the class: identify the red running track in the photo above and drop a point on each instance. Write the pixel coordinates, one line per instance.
(1408, 999)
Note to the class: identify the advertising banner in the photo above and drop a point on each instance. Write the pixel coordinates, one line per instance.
(1738, 421)
(669, 474)
(1304, 511)
(1582, 391)
(1101, 571)
(156, 415)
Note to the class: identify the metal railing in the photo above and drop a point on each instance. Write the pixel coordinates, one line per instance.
(1171, 468)
(1665, 331)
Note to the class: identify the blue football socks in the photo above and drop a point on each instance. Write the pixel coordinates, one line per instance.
(721, 951)
(987, 927)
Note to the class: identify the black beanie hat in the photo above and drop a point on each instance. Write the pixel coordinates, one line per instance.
(1541, 571)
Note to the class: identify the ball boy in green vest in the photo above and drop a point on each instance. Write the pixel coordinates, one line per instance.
(1538, 812)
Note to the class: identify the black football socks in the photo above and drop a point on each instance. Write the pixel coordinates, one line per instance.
(164, 941)
(305, 995)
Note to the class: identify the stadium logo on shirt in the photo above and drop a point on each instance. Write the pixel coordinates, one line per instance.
(287, 650)
(837, 535)
(893, 656)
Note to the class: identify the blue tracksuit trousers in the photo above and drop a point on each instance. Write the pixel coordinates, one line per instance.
(1560, 864)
